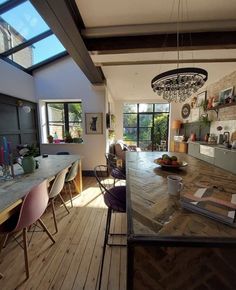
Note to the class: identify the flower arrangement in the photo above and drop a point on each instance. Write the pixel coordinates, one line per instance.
(28, 150)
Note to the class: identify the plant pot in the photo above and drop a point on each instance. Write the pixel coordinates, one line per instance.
(50, 139)
(28, 164)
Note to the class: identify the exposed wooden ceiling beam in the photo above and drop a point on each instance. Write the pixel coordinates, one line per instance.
(165, 61)
(58, 16)
(161, 42)
(157, 28)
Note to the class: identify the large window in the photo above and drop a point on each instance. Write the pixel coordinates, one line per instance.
(146, 125)
(64, 119)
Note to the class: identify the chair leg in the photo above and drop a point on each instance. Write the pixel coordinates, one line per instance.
(46, 230)
(5, 241)
(108, 222)
(63, 202)
(54, 215)
(25, 244)
(70, 192)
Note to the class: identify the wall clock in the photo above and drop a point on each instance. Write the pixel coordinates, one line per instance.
(185, 112)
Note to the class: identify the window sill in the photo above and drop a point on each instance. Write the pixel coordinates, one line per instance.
(62, 143)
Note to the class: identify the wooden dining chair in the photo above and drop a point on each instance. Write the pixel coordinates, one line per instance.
(55, 191)
(115, 200)
(32, 208)
(70, 178)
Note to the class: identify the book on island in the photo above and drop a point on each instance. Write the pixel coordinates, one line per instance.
(219, 205)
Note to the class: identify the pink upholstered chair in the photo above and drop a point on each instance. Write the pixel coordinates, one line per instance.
(33, 207)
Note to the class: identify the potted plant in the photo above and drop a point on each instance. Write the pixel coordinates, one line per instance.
(50, 139)
(28, 152)
(67, 137)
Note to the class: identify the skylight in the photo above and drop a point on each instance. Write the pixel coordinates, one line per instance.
(25, 38)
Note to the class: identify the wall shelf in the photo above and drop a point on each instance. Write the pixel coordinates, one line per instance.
(217, 108)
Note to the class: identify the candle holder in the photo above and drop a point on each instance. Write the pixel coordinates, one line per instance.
(6, 169)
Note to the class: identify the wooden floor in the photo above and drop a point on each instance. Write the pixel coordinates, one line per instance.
(73, 262)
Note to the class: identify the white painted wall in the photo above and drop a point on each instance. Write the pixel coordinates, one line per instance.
(16, 83)
(63, 80)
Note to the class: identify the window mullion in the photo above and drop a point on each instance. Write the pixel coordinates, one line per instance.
(67, 127)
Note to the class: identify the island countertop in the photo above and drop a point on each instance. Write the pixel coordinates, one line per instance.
(155, 216)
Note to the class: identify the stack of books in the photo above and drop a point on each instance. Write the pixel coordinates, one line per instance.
(215, 204)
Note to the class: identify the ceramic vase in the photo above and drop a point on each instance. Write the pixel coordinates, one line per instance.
(28, 164)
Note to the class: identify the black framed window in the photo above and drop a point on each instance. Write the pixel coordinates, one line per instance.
(146, 125)
(64, 119)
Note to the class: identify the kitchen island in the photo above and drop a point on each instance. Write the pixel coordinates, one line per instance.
(169, 247)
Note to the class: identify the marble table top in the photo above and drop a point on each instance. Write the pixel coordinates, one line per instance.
(13, 190)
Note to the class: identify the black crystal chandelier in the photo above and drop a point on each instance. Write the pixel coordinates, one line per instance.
(179, 84)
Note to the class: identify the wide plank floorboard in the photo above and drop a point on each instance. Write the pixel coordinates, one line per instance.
(73, 262)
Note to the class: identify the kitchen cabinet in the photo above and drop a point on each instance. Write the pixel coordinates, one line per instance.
(194, 149)
(225, 159)
(181, 147)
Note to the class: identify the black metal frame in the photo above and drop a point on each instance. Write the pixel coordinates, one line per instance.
(153, 113)
(66, 114)
(4, 56)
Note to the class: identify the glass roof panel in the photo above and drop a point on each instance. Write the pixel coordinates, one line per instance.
(38, 52)
(20, 24)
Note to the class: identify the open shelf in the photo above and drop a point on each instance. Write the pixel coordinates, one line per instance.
(217, 108)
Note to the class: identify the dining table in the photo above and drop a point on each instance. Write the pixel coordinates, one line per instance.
(14, 190)
(168, 246)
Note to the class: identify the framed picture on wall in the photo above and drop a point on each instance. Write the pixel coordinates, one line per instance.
(226, 95)
(94, 123)
(201, 98)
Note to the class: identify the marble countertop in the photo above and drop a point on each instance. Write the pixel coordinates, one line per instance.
(13, 190)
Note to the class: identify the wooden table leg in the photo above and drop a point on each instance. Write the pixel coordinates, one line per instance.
(78, 179)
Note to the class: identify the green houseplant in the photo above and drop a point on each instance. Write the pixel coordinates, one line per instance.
(67, 137)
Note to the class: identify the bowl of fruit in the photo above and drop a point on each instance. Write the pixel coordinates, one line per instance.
(170, 161)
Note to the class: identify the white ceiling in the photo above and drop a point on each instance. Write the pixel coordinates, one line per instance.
(131, 81)
(128, 12)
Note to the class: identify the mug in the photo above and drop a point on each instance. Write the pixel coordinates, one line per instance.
(174, 184)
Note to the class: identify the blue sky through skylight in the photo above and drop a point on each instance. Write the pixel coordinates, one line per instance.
(27, 22)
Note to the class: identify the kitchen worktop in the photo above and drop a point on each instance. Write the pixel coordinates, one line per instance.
(218, 146)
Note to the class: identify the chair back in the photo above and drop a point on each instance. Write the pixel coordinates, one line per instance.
(58, 183)
(114, 196)
(114, 170)
(73, 171)
(33, 206)
(111, 161)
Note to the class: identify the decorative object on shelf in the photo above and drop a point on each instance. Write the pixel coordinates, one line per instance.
(185, 112)
(226, 96)
(177, 85)
(93, 123)
(221, 136)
